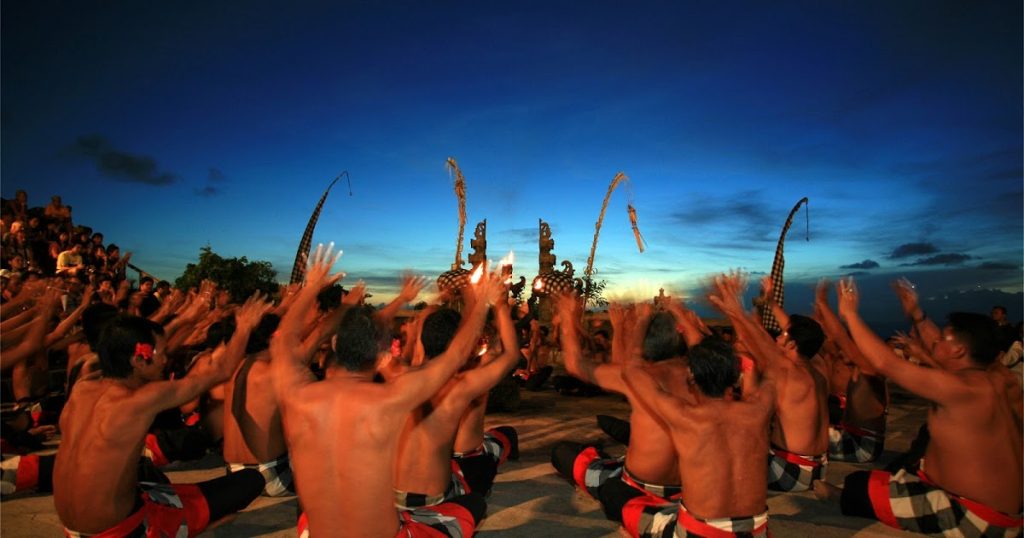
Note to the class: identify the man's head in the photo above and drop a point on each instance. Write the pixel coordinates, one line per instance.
(97, 239)
(805, 334)
(999, 314)
(146, 285)
(969, 336)
(131, 345)
(359, 341)
(94, 318)
(714, 366)
(662, 341)
(438, 330)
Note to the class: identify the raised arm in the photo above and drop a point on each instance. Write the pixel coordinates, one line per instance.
(580, 365)
(64, 326)
(289, 357)
(835, 331)
(481, 379)
(725, 295)
(934, 384)
(210, 370)
(927, 331)
(688, 322)
(414, 387)
(411, 287)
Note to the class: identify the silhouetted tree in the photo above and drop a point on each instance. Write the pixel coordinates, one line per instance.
(239, 276)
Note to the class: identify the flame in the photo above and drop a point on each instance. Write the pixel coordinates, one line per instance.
(538, 285)
(477, 273)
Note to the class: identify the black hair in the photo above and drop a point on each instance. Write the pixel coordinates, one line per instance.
(219, 332)
(806, 334)
(662, 341)
(117, 343)
(714, 366)
(438, 330)
(358, 340)
(259, 339)
(148, 305)
(94, 318)
(979, 333)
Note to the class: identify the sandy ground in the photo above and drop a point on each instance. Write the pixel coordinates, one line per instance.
(529, 499)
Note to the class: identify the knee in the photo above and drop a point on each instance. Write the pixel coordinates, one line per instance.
(475, 504)
(563, 457)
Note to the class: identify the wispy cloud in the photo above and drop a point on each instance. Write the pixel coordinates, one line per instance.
(121, 165)
(912, 249)
(866, 264)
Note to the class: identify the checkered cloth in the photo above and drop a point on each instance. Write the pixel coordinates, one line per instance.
(646, 517)
(591, 470)
(457, 487)
(178, 510)
(495, 444)
(276, 473)
(447, 519)
(299, 267)
(778, 265)
(19, 473)
(913, 502)
(850, 443)
(788, 471)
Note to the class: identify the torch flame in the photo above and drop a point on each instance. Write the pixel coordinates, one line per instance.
(477, 273)
(506, 266)
(539, 285)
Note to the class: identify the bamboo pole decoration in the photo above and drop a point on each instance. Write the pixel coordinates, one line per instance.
(778, 266)
(460, 193)
(302, 253)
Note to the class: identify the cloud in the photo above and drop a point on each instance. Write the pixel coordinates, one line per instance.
(119, 165)
(912, 249)
(941, 259)
(992, 266)
(866, 264)
(207, 191)
(522, 233)
(216, 176)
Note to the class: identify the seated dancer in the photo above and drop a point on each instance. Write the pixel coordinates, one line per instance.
(722, 476)
(96, 482)
(799, 451)
(650, 465)
(343, 432)
(425, 472)
(860, 433)
(253, 435)
(969, 482)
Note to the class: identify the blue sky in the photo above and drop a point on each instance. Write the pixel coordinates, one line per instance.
(173, 126)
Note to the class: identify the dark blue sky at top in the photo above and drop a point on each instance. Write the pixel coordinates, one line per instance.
(174, 126)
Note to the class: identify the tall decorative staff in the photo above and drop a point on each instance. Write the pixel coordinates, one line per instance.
(451, 282)
(767, 319)
(299, 267)
(631, 211)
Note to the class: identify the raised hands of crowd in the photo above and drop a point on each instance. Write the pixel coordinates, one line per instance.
(912, 348)
(834, 329)
(290, 357)
(69, 322)
(768, 298)
(411, 287)
(693, 328)
(725, 294)
(926, 329)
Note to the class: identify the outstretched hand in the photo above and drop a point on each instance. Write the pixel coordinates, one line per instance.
(907, 294)
(318, 272)
(849, 297)
(725, 293)
(411, 287)
(252, 311)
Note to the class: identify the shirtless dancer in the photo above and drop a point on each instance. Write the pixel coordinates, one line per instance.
(650, 466)
(343, 432)
(799, 437)
(970, 477)
(722, 476)
(96, 487)
(425, 473)
(253, 435)
(860, 434)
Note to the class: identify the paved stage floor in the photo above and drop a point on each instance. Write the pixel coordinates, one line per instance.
(529, 499)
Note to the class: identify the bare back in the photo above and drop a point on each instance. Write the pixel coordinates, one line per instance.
(722, 446)
(96, 472)
(801, 420)
(867, 401)
(252, 419)
(976, 444)
(341, 441)
(470, 434)
(425, 447)
(650, 456)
